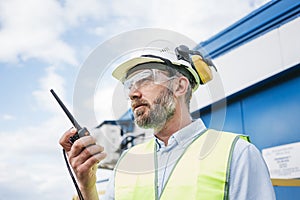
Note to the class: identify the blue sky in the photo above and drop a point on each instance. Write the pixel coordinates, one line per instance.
(43, 45)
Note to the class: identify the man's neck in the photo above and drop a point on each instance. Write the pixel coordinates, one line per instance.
(172, 126)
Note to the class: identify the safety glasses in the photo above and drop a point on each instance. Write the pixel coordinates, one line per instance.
(145, 78)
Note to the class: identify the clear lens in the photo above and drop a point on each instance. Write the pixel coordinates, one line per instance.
(136, 79)
(145, 78)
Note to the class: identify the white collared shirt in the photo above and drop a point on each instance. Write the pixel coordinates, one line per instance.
(167, 156)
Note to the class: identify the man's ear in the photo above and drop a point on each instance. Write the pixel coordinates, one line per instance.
(181, 86)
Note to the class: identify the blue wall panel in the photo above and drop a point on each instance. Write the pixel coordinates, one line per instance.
(287, 193)
(271, 115)
(226, 117)
(268, 112)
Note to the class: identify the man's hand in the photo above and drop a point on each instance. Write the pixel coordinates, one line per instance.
(84, 155)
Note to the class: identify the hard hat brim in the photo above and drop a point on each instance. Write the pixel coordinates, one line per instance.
(121, 70)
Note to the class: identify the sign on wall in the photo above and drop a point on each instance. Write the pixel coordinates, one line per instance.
(283, 161)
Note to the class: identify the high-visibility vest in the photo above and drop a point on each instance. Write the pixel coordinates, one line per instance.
(202, 172)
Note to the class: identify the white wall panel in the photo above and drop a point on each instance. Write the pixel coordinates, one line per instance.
(243, 67)
(251, 63)
(290, 43)
(208, 93)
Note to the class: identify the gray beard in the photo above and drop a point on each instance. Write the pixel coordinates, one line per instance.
(162, 110)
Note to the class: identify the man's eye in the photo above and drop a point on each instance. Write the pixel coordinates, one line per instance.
(129, 86)
(144, 81)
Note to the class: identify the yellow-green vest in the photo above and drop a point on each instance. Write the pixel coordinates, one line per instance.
(202, 172)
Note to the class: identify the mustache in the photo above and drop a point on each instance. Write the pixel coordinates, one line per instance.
(139, 102)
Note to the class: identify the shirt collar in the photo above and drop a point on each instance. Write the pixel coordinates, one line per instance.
(184, 135)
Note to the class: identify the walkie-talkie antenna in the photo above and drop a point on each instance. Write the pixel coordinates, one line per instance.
(80, 133)
(70, 116)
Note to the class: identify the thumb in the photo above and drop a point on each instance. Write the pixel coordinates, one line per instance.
(65, 139)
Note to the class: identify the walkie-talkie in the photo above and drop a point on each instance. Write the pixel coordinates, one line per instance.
(80, 131)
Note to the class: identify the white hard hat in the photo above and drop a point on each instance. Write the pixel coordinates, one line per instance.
(157, 55)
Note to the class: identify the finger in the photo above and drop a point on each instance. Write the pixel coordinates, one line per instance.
(95, 159)
(86, 154)
(80, 144)
(90, 162)
(64, 140)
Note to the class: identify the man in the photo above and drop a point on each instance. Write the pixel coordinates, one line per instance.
(184, 160)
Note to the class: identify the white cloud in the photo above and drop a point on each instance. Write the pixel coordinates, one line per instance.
(112, 109)
(78, 11)
(195, 19)
(31, 29)
(34, 29)
(8, 117)
(31, 163)
(32, 153)
(42, 96)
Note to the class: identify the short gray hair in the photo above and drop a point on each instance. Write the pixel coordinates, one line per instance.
(188, 95)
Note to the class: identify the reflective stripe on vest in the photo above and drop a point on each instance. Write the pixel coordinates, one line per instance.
(202, 172)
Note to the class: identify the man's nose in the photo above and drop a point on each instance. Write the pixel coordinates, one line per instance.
(134, 93)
